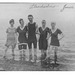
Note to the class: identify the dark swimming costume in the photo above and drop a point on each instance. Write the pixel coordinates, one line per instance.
(54, 38)
(43, 42)
(22, 35)
(22, 38)
(31, 28)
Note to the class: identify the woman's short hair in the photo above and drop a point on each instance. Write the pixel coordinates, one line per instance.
(30, 15)
(53, 22)
(43, 20)
(20, 20)
(12, 20)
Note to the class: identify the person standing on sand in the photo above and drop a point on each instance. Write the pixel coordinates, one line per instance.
(32, 29)
(43, 40)
(11, 38)
(21, 30)
(55, 40)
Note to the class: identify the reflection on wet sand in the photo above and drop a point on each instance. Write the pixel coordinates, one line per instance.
(66, 60)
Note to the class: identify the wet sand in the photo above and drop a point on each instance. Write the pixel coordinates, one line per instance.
(66, 61)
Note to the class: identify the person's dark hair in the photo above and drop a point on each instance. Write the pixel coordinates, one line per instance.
(43, 20)
(30, 15)
(12, 20)
(53, 22)
(20, 20)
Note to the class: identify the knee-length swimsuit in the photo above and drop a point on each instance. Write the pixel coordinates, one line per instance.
(11, 37)
(22, 38)
(43, 42)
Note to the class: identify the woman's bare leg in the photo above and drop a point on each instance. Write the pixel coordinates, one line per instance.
(13, 47)
(41, 57)
(45, 53)
(20, 55)
(55, 54)
(24, 55)
(49, 52)
(5, 52)
(13, 54)
(42, 54)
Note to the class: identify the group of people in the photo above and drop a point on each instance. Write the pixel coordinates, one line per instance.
(27, 35)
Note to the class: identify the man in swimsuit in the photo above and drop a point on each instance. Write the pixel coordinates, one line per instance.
(32, 29)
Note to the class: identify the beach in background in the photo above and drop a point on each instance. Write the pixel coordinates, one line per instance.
(65, 21)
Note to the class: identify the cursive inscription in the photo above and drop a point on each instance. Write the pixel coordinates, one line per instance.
(42, 6)
(66, 6)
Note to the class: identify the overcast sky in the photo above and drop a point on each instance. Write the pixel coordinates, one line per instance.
(65, 20)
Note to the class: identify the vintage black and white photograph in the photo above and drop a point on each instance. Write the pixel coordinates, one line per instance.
(37, 36)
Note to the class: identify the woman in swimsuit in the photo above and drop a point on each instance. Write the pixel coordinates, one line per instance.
(11, 37)
(55, 40)
(21, 30)
(43, 41)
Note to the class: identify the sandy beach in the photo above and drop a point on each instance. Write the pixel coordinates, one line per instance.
(65, 21)
(66, 60)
